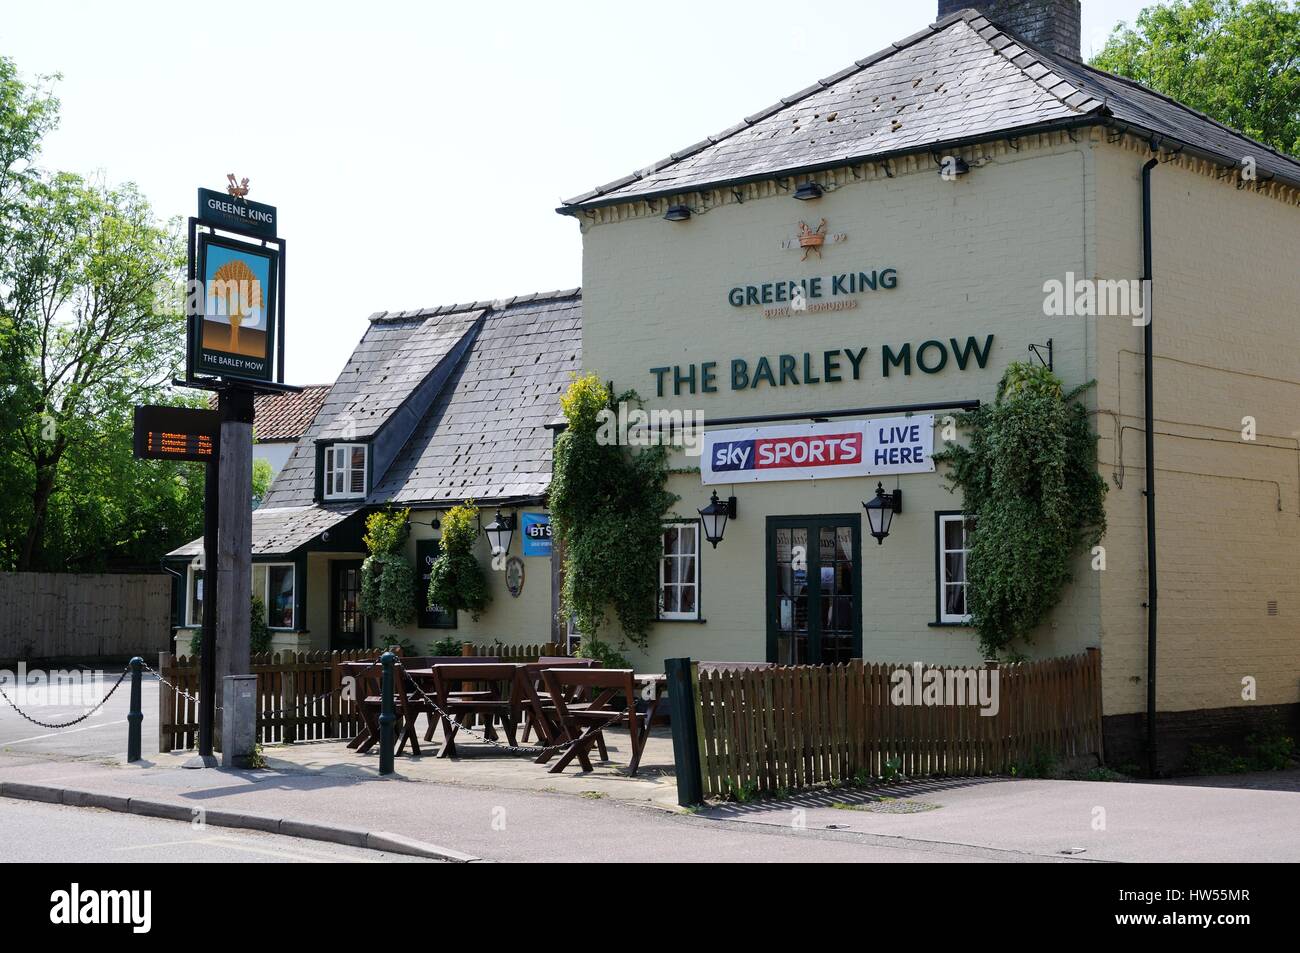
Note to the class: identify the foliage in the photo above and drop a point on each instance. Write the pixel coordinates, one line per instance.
(1029, 481)
(448, 646)
(1267, 749)
(1040, 764)
(1270, 749)
(259, 639)
(259, 634)
(456, 580)
(404, 647)
(86, 332)
(261, 480)
(603, 653)
(387, 576)
(1235, 60)
(607, 507)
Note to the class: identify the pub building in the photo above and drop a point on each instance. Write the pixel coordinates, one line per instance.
(828, 282)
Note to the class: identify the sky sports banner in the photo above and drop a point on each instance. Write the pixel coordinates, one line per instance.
(850, 448)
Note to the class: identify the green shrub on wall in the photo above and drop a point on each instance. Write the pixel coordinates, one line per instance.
(607, 508)
(1029, 479)
(456, 580)
(387, 576)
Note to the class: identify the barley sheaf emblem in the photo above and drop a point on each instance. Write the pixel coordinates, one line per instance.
(812, 239)
(238, 293)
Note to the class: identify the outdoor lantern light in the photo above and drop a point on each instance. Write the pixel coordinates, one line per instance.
(807, 191)
(881, 510)
(714, 518)
(677, 213)
(499, 533)
(953, 166)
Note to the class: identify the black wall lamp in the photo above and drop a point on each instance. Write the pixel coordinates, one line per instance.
(677, 213)
(807, 191)
(714, 518)
(499, 533)
(881, 511)
(952, 167)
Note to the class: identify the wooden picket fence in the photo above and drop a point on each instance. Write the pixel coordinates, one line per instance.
(298, 697)
(769, 730)
(513, 653)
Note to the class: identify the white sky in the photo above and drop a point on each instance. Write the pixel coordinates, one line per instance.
(416, 151)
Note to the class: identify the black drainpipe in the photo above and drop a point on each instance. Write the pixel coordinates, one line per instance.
(1150, 463)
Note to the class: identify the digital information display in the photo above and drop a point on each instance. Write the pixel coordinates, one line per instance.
(176, 433)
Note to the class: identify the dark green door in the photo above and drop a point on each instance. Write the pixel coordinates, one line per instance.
(814, 604)
(347, 625)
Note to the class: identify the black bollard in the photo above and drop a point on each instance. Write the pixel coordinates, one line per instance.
(135, 716)
(387, 715)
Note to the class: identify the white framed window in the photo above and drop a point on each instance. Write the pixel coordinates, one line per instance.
(953, 545)
(194, 596)
(345, 471)
(274, 584)
(679, 572)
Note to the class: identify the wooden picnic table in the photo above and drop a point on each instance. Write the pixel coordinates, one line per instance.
(613, 702)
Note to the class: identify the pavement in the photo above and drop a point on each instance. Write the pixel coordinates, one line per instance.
(32, 832)
(486, 805)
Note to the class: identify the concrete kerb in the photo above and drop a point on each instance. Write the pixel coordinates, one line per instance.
(220, 817)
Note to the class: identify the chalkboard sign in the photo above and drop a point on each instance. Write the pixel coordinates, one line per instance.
(430, 616)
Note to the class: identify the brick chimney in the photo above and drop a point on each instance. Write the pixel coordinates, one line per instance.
(1050, 25)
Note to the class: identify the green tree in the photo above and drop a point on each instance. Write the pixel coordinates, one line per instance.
(607, 507)
(1030, 485)
(1238, 62)
(262, 477)
(84, 335)
(456, 580)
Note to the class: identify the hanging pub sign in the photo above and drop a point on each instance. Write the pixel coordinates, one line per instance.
(176, 433)
(237, 315)
(850, 448)
(236, 290)
(235, 213)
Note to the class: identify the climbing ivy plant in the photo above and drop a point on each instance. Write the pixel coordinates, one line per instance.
(387, 576)
(1029, 480)
(607, 507)
(456, 580)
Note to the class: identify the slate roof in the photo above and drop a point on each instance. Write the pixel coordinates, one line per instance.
(961, 79)
(482, 436)
(392, 382)
(278, 531)
(485, 436)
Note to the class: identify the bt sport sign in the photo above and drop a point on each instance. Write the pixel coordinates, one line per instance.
(819, 451)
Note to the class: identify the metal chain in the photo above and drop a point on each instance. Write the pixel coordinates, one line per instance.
(262, 714)
(121, 678)
(179, 691)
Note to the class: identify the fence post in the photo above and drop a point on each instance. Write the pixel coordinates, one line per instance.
(686, 746)
(166, 702)
(386, 715)
(135, 716)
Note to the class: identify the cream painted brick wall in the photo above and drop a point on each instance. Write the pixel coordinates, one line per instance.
(972, 257)
(512, 620)
(1227, 346)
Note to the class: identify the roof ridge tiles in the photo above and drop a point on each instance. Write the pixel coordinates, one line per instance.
(493, 304)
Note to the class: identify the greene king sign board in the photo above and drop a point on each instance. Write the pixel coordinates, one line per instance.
(819, 451)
